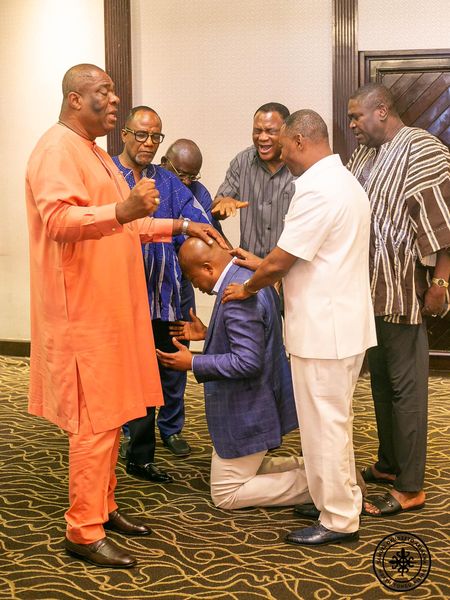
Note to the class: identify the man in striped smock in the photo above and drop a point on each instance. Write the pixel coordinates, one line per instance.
(406, 174)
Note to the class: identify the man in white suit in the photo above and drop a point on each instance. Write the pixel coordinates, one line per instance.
(322, 256)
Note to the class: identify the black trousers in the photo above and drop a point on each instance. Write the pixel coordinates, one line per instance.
(399, 379)
(141, 448)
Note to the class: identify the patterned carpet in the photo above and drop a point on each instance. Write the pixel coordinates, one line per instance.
(196, 551)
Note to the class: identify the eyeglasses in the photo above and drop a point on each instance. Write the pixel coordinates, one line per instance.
(142, 136)
(182, 175)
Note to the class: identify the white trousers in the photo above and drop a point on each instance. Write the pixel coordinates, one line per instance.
(258, 480)
(323, 392)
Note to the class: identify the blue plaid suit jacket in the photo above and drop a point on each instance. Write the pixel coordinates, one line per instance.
(249, 399)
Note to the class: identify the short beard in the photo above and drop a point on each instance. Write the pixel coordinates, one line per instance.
(142, 163)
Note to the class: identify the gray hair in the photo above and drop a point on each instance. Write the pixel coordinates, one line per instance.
(308, 123)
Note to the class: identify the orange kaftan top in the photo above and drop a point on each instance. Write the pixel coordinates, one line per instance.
(89, 306)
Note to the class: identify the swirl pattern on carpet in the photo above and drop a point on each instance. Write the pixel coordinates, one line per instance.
(197, 551)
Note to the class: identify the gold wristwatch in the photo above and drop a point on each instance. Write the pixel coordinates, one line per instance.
(245, 284)
(440, 282)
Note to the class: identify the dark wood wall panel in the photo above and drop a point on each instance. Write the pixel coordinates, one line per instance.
(345, 72)
(118, 61)
(413, 95)
(431, 103)
(399, 83)
(436, 117)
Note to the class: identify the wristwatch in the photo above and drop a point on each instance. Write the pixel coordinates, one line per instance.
(185, 226)
(440, 282)
(245, 284)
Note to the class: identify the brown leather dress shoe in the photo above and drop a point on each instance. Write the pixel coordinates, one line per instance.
(126, 525)
(102, 553)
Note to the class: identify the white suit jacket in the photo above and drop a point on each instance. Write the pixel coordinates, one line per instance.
(328, 306)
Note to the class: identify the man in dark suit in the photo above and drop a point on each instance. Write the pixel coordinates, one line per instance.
(248, 389)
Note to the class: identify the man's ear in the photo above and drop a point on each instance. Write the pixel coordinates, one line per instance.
(74, 100)
(382, 111)
(207, 266)
(299, 141)
(123, 133)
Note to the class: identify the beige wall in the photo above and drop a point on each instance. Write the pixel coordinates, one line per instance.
(205, 65)
(403, 24)
(41, 39)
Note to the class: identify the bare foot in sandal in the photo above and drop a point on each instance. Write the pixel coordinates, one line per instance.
(409, 500)
(379, 475)
(402, 501)
(373, 475)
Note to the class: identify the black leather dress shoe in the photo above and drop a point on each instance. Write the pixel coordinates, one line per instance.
(177, 445)
(149, 471)
(307, 510)
(102, 553)
(126, 525)
(318, 534)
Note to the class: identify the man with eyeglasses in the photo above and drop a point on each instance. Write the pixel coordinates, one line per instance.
(184, 159)
(142, 135)
(188, 158)
(259, 184)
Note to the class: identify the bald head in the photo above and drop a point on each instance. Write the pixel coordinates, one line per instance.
(184, 159)
(201, 263)
(185, 150)
(304, 141)
(77, 77)
(138, 111)
(307, 123)
(90, 105)
(194, 252)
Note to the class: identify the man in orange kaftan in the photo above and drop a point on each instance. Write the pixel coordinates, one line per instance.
(93, 363)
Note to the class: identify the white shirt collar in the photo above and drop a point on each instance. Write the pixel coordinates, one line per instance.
(216, 288)
(316, 169)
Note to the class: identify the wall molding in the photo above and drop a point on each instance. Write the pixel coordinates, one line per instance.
(117, 14)
(345, 72)
(15, 347)
(22, 348)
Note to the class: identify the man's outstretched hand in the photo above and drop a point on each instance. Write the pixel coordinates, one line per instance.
(192, 331)
(226, 207)
(179, 361)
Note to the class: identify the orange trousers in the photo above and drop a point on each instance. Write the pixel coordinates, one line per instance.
(92, 478)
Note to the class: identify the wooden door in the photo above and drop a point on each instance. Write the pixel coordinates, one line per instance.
(420, 83)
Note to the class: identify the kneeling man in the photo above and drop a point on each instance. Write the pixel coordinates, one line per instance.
(249, 397)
